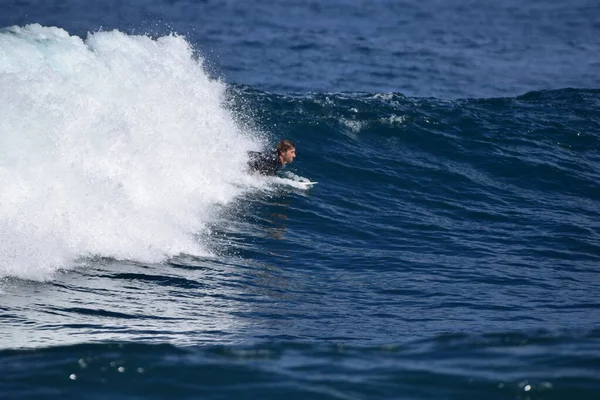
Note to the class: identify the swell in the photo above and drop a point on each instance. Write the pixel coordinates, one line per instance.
(513, 176)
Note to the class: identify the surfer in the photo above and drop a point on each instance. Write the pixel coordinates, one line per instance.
(268, 163)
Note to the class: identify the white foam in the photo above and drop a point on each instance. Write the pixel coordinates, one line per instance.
(354, 126)
(115, 145)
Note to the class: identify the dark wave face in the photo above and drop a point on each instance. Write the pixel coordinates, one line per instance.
(506, 188)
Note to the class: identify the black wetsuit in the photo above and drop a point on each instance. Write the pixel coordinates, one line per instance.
(264, 163)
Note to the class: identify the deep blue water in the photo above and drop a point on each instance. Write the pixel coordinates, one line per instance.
(450, 250)
(438, 48)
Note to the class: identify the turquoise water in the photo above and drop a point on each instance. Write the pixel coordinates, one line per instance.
(449, 250)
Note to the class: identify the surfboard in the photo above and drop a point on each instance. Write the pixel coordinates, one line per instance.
(306, 184)
(303, 184)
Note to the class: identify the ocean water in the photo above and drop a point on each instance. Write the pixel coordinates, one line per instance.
(451, 249)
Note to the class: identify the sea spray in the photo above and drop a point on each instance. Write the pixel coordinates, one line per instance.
(116, 145)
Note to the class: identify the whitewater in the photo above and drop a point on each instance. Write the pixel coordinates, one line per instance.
(115, 146)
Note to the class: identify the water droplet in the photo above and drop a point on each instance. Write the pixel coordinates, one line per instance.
(121, 369)
(527, 388)
(73, 377)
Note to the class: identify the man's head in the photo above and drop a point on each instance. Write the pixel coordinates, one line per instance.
(286, 150)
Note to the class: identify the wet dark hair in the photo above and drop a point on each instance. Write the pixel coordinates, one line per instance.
(284, 146)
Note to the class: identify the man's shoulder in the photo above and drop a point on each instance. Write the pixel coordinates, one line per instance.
(264, 162)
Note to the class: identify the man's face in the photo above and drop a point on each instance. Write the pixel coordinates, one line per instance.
(288, 156)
